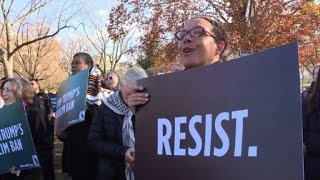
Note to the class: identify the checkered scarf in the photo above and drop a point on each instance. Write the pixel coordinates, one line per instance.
(116, 104)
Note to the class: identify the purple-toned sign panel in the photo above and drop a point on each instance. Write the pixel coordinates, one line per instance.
(235, 120)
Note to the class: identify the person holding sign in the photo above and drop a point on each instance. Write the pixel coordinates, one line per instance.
(112, 134)
(311, 128)
(201, 42)
(15, 89)
(77, 159)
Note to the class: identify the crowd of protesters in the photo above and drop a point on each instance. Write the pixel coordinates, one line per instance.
(103, 145)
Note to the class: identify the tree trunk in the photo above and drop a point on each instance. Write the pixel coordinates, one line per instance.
(8, 67)
(7, 58)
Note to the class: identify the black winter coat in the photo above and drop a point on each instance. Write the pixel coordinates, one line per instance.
(105, 138)
(44, 98)
(77, 159)
(42, 136)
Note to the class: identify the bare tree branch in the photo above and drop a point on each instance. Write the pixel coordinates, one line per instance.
(34, 7)
(18, 47)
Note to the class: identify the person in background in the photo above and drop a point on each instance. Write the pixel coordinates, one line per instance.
(306, 92)
(311, 129)
(15, 89)
(45, 99)
(110, 83)
(113, 80)
(111, 134)
(49, 119)
(77, 159)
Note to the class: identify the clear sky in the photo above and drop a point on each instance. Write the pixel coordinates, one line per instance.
(92, 6)
(92, 9)
(103, 4)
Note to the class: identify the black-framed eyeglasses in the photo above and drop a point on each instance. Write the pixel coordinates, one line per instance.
(195, 32)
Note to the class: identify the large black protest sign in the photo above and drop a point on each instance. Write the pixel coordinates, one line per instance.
(230, 121)
(16, 144)
(71, 103)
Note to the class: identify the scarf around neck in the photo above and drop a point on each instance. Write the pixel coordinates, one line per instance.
(116, 104)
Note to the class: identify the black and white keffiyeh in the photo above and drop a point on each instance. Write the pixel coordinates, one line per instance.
(115, 103)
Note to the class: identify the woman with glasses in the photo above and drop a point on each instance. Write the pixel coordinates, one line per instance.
(7, 92)
(13, 90)
(201, 42)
